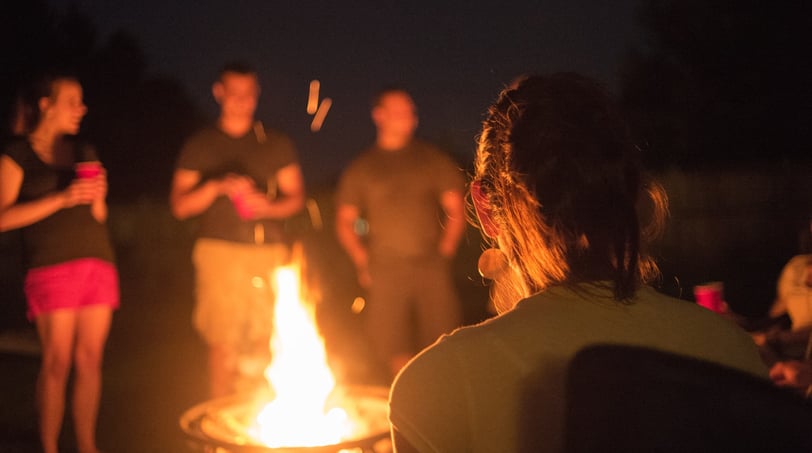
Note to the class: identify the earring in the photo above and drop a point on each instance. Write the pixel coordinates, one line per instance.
(492, 263)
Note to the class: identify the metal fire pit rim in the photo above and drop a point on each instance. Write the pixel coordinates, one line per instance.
(191, 419)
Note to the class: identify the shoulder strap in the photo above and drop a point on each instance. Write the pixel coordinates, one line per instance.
(17, 149)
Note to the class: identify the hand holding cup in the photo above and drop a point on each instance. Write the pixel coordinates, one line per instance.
(79, 191)
(93, 171)
(239, 190)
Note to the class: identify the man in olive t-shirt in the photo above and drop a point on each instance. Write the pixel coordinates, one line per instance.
(411, 195)
(243, 180)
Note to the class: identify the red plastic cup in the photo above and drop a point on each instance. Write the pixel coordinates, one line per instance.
(87, 169)
(239, 205)
(710, 295)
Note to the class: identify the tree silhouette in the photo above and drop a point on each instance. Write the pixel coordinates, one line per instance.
(33, 39)
(136, 120)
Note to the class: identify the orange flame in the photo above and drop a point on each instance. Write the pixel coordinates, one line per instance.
(299, 375)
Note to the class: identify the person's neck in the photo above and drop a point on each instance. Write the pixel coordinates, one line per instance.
(392, 143)
(235, 127)
(43, 140)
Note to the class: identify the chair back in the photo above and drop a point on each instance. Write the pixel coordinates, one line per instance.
(634, 399)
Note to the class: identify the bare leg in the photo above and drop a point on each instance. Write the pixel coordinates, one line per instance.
(222, 369)
(56, 332)
(92, 327)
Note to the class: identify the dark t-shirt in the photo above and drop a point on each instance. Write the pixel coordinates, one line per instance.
(69, 233)
(398, 193)
(257, 154)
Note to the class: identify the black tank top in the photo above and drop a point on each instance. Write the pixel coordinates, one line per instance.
(67, 234)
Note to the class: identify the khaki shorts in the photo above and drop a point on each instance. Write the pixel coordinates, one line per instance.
(234, 298)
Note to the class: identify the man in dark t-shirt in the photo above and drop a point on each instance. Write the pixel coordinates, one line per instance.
(411, 196)
(243, 180)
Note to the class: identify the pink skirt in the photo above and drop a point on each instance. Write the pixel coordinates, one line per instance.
(71, 285)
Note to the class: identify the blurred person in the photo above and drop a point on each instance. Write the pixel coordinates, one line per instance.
(71, 283)
(559, 192)
(794, 299)
(243, 180)
(411, 196)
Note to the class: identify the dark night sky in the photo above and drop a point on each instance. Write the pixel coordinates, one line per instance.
(454, 56)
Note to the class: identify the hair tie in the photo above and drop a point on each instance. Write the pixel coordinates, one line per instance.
(492, 264)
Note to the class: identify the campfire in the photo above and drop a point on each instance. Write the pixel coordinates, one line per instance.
(302, 408)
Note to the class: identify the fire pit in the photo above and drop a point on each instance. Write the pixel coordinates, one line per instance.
(301, 409)
(227, 423)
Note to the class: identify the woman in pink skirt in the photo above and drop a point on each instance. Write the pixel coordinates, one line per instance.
(53, 188)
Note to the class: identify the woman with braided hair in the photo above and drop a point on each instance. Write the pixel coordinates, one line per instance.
(560, 194)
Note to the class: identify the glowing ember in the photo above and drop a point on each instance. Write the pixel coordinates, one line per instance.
(313, 97)
(321, 114)
(299, 376)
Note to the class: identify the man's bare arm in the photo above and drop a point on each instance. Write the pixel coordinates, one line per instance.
(290, 197)
(187, 198)
(346, 216)
(453, 205)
